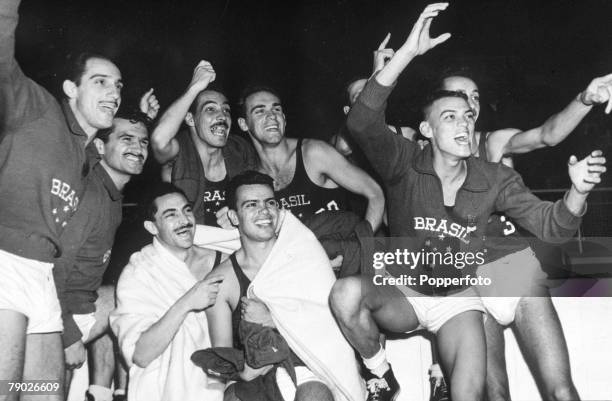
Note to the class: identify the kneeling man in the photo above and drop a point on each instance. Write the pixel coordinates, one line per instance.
(161, 295)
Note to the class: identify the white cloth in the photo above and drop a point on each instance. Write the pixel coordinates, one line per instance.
(217, 239)
(294, 282)
(150, 284)
(28, 288)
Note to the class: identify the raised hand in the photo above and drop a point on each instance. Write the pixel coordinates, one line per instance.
(419, 42)
(203, 75)
(586, 173)
(599, 91)
(149, 104)
(382, 55)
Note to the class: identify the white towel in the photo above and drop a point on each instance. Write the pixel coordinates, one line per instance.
(294, 283)
(150, 284)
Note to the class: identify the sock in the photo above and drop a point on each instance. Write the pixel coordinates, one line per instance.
(377, 364)
(101, 393)
(119, 391)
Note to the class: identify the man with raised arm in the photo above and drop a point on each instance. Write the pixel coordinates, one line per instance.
(450, 197)
(201, 159)
(531, 314)
(42, 177)
(161, 296)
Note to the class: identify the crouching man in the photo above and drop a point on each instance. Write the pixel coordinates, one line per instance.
(161, 295)
(282, 268)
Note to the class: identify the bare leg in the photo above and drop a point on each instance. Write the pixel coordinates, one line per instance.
(541, 336)
(44, 360)
(497, 376)
(461, 344)
(12, 343)
(100, 344)
(361, 308)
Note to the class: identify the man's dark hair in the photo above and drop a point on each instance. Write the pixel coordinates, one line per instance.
(439, 94)
(249, 177)
(132, 116)
(251, 89)
(193, 108)
(76, 64)
(454, 71)
(157, 191)
(347, 87)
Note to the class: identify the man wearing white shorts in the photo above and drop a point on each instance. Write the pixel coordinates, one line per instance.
(39, 198)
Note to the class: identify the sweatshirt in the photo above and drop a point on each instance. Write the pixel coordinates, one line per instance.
(416, 203)
(43, 164)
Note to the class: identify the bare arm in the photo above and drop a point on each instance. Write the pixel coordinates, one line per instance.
(163, 142)
(557, 127)
(219, 318)
(154, 341)
(328, 162)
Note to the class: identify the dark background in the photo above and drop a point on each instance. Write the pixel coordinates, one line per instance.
(531, 59)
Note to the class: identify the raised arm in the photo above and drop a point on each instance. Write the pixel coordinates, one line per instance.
(388, 153)
(163, 142)
(154, 341)
(553, 221)
(557, 127)
(20, 97)
(333, 165)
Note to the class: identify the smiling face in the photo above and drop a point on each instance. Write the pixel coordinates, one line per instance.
(450, 126)
(255, 212)
(174, 223)
(95, 99)
(264, 119)
(212, 119)
(126, 149)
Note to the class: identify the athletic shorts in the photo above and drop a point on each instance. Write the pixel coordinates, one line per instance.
(285, 384)
(433, 312)
(85, 323)
(28, 288)
(512, 277)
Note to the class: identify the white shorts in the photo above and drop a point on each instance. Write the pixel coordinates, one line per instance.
(85, 322)
(28, 288)
(512, 277)
(433, 312)
(285, 384)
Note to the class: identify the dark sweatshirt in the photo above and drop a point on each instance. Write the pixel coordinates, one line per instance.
(414, 191)
(78, 273)
(42, 157)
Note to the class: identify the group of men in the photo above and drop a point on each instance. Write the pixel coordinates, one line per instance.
(241, 235)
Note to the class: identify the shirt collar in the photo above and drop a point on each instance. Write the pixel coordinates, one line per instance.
(108, 183)
(475, 180)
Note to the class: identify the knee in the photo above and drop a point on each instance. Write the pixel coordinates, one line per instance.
(562, 392)
(345, 297)
(313, 391)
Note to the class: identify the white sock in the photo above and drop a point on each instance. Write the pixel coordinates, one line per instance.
(377, 364)
(101, 393)
(119, 391)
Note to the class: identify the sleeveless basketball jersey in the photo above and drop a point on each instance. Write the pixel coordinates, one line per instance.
(213, 199)
(243, 282)
(501, 235)
(305, 198)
